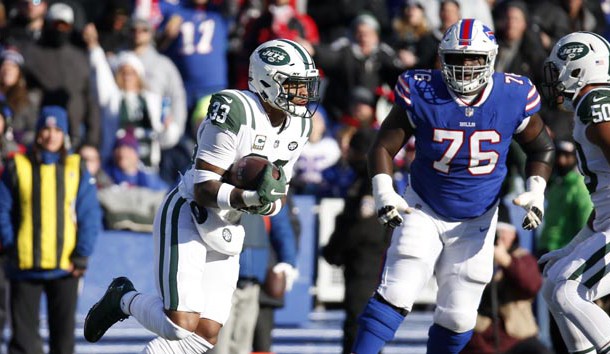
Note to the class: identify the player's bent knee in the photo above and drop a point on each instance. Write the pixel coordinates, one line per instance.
(564, 294)
(171, 331)
(458, 321)
(398, 296)
(208, 329)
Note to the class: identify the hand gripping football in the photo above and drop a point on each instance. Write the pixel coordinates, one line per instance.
(247, 172)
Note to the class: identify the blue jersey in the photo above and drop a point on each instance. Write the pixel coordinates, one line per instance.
(200, 50)
(461, 149)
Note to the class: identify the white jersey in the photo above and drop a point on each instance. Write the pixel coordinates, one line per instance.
(236, 126)
(594, 108)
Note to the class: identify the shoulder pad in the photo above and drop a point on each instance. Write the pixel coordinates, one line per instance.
(595, 107)
(227, 110)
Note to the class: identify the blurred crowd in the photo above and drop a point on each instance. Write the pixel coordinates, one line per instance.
(134, 78)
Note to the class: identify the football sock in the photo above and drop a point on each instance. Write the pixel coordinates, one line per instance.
(148, 310)
(442, 340)
(377, 325)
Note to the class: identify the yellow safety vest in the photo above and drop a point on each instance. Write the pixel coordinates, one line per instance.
(47, 225)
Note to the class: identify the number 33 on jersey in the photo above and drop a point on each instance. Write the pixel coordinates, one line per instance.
(458, 142)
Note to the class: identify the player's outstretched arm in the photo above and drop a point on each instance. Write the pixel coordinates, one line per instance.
(540, 151)
(393, 134)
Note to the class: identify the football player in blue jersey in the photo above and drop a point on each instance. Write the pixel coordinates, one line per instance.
(463, 118)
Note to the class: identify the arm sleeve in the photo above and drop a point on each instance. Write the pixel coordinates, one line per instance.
(216, 146)
(283, 238)
(88, 215)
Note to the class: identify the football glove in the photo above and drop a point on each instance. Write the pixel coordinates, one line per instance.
(271, 189)
(290, 273)
(532, 200)
(388, 203)
(550, 258)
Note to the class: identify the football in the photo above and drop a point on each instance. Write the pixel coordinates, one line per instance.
(246, 173)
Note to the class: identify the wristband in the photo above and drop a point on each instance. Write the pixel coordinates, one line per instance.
(535, 184)
(223, 198)
(382, 183)
(251, 198)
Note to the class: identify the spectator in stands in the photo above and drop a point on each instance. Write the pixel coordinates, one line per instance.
(269, 300)
(280, 19)
(8, 146)
(322, 152)
(236, 336)
(581, 17)
(49, 221)
(93, 161)
(195, 36)
(114, 28)
(126, 104)
(14, 88)
(551, 22)
(411, 36)
(163, 78)
(478, 9)
(520, 50)
(505, 321)
(361, 108)
(449, 13)
(126, 168)
(26, 22)
(60, 72)
(360, 60)
(569, 207)
(358, 242)
(333, 17)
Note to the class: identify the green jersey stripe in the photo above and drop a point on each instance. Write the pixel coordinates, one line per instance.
(595, 257)
(305, 56)
(162, 227)
(173, 261)
(245, 99)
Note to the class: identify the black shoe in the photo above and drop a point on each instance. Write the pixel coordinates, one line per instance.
(107, 311)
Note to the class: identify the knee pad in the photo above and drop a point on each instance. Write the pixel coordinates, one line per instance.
(380, 319)
(171, 331)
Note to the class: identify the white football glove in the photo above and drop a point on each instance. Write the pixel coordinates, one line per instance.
(552, 257)
(290, 273)
(388, 203)
(532, 200)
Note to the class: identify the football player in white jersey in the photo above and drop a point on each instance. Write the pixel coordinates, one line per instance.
(577, 72)
(197, 233)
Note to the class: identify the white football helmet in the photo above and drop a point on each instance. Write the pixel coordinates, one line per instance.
(279, 72)
(467, 37)
(577, 59)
